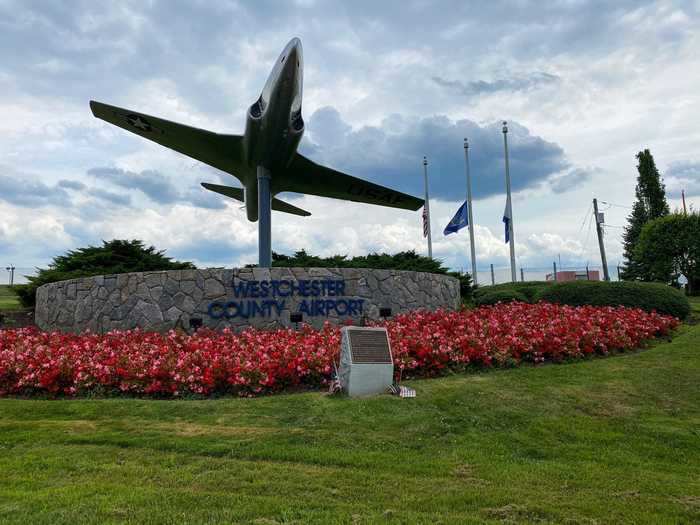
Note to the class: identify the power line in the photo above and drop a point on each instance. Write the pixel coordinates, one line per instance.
(588, 232)
(616, 205)
(587, 216)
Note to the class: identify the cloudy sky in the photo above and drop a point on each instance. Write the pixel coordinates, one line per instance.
(583, 85)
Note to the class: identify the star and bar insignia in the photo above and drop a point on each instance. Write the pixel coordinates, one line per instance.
(139, 122)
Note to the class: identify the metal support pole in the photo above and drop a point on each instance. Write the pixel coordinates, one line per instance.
(588, 275)
(510, 205)
(469, 211)
(264, 218)
(554, 265)
(427, 207)
(493, 277)
(599, 230)
(522, 275)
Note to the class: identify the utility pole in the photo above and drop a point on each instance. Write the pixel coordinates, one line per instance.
(509, 206)
(426, 210)
(11, 269)
(469, 211)
(599, 230)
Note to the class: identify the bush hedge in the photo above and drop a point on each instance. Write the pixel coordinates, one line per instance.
(527, 288)
(647, 296)
(500, 296)
(409, 261)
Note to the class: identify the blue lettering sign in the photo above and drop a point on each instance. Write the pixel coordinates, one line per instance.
(260, 299)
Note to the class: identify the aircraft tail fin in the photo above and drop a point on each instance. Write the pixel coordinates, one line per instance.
(238, 194)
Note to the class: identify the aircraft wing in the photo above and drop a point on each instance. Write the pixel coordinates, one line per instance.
(305, 176)
(224, 152)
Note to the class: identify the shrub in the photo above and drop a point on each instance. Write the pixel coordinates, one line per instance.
(408, 261)
(500, 296)
(647, 296)
(25, 294)
(528, 289)
(116, 256)
(669, 247)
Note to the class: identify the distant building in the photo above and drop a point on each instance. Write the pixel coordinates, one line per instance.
(577, 275)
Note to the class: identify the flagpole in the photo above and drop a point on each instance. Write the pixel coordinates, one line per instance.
(427, 207)
(509, 205)
(469, 211)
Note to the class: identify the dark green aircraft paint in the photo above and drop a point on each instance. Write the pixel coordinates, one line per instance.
(274, 127)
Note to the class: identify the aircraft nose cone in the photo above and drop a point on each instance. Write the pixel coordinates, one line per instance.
(294, 51)
(295, 43)
(293, 59)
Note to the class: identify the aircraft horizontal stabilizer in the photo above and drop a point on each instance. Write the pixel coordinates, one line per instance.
(285, 207)
(237, 193)
(228, 191)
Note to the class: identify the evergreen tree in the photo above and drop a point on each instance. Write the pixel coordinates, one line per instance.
(650, 204)
(409, 260)
(116, 256)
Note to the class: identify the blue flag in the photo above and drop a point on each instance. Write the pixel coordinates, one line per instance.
(506, 221)
(459, 221)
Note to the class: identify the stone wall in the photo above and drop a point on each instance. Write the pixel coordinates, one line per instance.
(237, 298)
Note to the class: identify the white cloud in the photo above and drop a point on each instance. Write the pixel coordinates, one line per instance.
(625, 78)
(683, 175)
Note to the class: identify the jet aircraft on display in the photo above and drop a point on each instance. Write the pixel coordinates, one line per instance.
(265, 159)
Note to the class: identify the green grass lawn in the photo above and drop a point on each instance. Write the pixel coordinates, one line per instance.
(603, 441)
(8, 300)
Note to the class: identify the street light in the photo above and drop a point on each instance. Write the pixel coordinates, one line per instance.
(11, 269)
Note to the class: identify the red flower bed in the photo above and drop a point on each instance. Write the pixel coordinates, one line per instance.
(254, 361)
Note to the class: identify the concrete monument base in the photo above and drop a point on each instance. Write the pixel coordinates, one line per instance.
(237, 298)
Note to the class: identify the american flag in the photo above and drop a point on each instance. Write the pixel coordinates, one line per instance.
(426, 223)
(401, 391)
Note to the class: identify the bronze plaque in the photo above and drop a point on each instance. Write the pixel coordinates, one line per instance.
(369, 346)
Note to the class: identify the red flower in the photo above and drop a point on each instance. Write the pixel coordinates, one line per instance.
(255, 361)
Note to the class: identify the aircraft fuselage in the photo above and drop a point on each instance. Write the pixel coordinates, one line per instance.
(274, 125)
